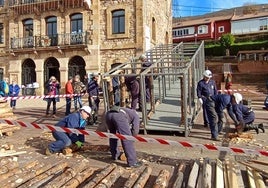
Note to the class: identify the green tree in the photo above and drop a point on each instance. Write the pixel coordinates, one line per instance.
(227, 40)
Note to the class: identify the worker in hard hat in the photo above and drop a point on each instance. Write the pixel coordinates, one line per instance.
(206, 88)
(244, 116)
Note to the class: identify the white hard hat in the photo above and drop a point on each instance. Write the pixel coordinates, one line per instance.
(87, 109)
(238, 97)
(207, 73)
(142, 57)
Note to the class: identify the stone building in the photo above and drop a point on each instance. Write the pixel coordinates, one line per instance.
(43, 38)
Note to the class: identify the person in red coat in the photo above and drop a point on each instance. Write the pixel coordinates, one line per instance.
(69, 90)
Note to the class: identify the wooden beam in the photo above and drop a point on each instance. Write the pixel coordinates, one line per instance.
(193, 175)
(219, 174)
(162, 179)
(180, 175)
(143, 178)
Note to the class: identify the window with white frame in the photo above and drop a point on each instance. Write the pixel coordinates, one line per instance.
(202, 29)
(264, 24)
(221, 29)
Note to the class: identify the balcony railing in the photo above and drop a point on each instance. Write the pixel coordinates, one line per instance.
(23, 2)
(51, 40)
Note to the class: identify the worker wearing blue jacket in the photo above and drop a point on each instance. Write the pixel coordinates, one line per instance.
(75, 120)
(206, 88)
(244, 116)
(124, 121)
(215, 106)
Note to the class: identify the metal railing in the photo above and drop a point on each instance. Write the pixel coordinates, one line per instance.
(52, 40)
(179, 65)
(25, 2)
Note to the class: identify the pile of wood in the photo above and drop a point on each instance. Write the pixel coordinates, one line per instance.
(7, 113)
(195, 173)
(240, 138)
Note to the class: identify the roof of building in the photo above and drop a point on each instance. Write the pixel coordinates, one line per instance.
(248, 16)
(199, 21)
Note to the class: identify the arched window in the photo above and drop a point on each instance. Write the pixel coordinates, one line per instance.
(28, 28)
(76, 23)
(118, 22)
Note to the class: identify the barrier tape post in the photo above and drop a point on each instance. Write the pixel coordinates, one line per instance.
(136, 138)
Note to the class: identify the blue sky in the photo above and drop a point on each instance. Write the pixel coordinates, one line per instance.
(198, 7)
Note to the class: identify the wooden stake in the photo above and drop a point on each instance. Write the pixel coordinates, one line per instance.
(258, 180)
(254, 168)
(6, 154)
(140, 183)
(231, 173)
(162, 179)
(250, 178)
(179, 179)
(259, 162)
(100, 176)
(219, 174)
(193, 175)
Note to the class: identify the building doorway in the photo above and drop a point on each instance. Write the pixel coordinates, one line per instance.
(51, 68)
(77, 66)
(28, 75)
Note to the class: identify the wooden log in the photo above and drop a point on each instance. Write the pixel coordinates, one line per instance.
(143, 178)
(9, 166)
(162, 179)
(253, 167)
(6, 154)
(258, 180)
(180, 174)
(20, 178)
(193, 175)
(7, 115)
(109, 180)
(219, 174)
(200, 178)
(207, 171)
(259, 162)
(100, 176)
(79, 178)
(250, 177)
(42, 176)
(133, 178)
(68, 174)
(231, 174)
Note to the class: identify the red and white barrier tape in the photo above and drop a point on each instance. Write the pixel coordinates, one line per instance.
(41, 97)
(232, 90)
(137, 138)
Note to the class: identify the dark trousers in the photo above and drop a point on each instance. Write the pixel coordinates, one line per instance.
(64, 140)
(49, 103)
(13, 103)
(77, 99)
(215, 118)
(205, 116)
(121, 127)
(135, 94)
(68, 105)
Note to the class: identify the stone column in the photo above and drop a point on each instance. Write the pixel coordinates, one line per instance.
(39, 63)
(63, 73)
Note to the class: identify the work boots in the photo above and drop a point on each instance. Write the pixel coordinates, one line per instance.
(261, 127)
(252, 127)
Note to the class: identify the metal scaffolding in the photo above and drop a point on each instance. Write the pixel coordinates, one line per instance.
(174, 73)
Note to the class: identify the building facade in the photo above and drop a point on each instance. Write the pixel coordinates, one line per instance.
(62, 38)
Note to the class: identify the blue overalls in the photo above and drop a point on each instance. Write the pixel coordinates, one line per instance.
(125, 122)
(63, 139)
(205, 90)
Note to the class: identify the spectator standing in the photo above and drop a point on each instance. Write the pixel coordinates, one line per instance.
(133, 86)
(4, 88)
(93, 96)
(14, 90)
(146, 64)
(206, 88)
(244, 116)
(78, 88)
(76, 121)
(52, 88)
(69, 90)
(126, 122)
